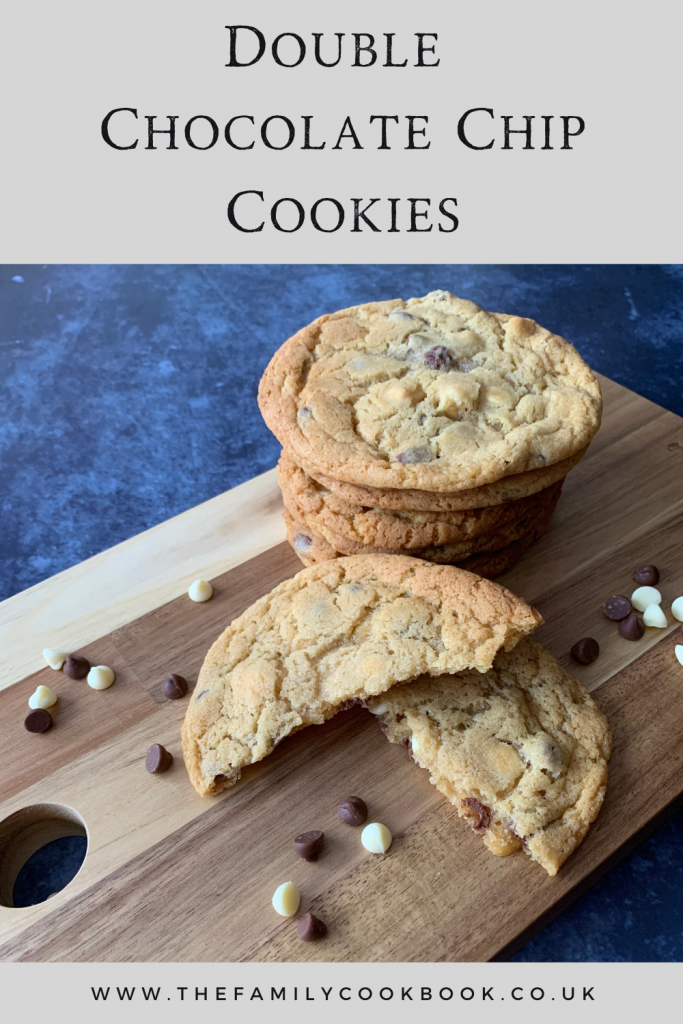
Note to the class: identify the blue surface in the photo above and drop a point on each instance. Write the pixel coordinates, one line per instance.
(128, 395)
(49, 870)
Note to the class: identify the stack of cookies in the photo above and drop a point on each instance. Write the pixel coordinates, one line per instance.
(428, 427)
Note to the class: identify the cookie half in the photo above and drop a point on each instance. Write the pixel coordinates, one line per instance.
(432, 394)
(341, 631)
(521, 750)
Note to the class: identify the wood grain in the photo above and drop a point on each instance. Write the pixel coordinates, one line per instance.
(98, 595)
(437, 895)
(169, 876)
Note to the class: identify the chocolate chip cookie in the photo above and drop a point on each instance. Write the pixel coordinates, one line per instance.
(520, 750)
(433, 394)
(510, 488)
(347, 526)
(312, 547)
(340, 631)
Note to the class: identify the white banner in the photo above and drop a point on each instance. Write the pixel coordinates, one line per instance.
(267, 993)
(257, 131)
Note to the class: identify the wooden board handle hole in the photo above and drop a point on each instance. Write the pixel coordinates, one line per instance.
(28, 830)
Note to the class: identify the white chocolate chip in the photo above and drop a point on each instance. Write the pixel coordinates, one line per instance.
(677, 609)
(55, 659)
(644, 596)
(399, 314)
(100, 677)
(679, 652)
(44, 697)
(380, 708)
(654, 616)
(376, 838)
(201, 591)
(286, 899)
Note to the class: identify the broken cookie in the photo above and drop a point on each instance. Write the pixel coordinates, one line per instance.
(521, 750)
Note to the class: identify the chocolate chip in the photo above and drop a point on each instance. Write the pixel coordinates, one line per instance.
(405, 744)
(309, 928)
(553, 754)
(158, 759)
(353, 811)
(309, 844)
(39, 720)
(174, 686)
(632, 628)
(76, 667)
(586, 650)
(617, 607)
(302, 542)
(483, 817)
(413, 455)
(465, 366)
(646, 575)
(438, 358)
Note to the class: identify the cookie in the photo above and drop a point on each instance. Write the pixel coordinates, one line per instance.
(308, 545)
(312, 547)
(491, 564)
(520, 750)
(340, 631)
(444, 553)
(432, 394)
(510, 488)
(348, 526)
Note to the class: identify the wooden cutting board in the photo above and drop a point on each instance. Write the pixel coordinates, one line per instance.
(169, 876)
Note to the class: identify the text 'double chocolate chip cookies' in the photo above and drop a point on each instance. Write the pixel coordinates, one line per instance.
(520, 750)
(344, 630)
(428, 426)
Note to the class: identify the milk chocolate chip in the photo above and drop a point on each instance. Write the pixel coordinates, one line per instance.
(438, 358)
(76, 667)
(586, 650)
(483, 817)
(158, 759)
(646, 575)
(414, 455)
(632, 627)
(174, 686)
(617, 607)
(308, 844)
(352, 811)
(309, 928)
(38, 721)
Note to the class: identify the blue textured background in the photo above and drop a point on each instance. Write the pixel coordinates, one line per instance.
(128, 394)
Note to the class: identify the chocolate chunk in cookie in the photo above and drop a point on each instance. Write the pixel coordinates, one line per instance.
(438, 358)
